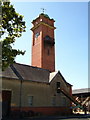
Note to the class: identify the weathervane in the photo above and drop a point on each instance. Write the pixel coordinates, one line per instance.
(43, 10)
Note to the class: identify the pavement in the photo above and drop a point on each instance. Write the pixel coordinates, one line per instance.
(75, 117)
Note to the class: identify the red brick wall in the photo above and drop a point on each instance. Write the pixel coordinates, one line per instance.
(47, 110)
(39, 51)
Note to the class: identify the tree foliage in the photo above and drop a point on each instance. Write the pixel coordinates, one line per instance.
(11, 28)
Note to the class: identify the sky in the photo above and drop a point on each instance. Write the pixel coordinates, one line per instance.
(71, 37)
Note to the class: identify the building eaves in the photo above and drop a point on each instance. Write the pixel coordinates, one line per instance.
(64, 78)
(54, 74)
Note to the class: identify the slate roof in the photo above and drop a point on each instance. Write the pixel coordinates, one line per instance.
(8, 73)
(26, 72)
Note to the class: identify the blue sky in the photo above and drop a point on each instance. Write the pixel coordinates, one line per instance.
(71, 37)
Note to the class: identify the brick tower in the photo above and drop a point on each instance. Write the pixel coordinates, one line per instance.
(43, 48)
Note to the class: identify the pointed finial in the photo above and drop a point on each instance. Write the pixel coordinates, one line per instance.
(43, 10)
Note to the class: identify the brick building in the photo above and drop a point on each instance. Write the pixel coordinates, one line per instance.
(39, 88)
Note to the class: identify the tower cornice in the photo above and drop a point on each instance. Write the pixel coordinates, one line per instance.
(33, 28)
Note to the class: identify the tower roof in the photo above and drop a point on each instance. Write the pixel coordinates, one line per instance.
(44, 15)
(47, 16)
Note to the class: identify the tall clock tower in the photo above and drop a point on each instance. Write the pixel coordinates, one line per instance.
(43, 42)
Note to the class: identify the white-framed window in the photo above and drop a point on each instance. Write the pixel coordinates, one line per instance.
(30, 100)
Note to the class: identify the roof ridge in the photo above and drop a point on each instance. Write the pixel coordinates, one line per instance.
(32, 66)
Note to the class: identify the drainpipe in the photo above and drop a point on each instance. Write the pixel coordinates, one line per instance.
(21, 80)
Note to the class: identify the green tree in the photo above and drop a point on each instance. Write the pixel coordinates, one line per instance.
(11, 28)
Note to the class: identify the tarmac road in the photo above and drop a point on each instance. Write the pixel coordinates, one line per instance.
(62, 119)
(77, 119)
(56, 119)
(87, 117)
